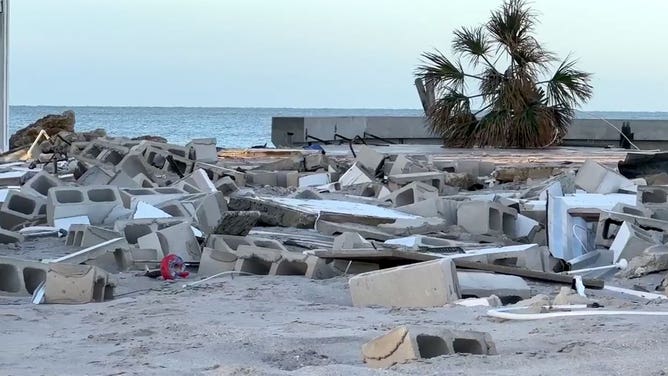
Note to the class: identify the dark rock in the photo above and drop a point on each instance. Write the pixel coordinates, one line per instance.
(150, 138)
(237, 222)
(52, 124)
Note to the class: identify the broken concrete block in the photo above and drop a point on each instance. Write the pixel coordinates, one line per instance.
(412, 193)
(84, 236)
(274, 213)
(631, 241)
(355, 175)
(136, 168)
(596, 178)
(216, 173)
(368, 158)
(486, 218)
(527, 256)
(421, 285)
(226, 185)
(94, 252)
(287, 179)
(177, 239)
(474, 167)
(405, 344)
(412, 226)
(20, 277)
(525, 229)
(209, 211)
(435, 179)
(95, 202)
(7, 237)
(179, 209)
(418, 242)
(258, 259)
(95, 175)
(19, 208)
(652, 259)
(214, 261)
(480, 285)
(366, 231)
(350, 240)
(314, 180)
(200, 179)
(262, 178)
(40, 184)
(151, 196)
(294, 263)
(76, 284)
(237, 222)
(203, 149)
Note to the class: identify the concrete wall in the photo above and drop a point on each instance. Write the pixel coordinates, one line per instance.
(583, 132)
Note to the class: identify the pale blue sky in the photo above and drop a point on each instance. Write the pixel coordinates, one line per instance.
(304, 53)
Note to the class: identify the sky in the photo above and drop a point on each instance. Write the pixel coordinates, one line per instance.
(304, 53)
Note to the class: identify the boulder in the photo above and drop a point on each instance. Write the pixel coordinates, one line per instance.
(52, 124)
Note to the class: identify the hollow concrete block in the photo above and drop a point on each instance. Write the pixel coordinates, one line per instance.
(20, 277)
(410, 343)
(486, 218)
(40, 184)
(215, 261)
(412, 194)
(19, 208)
(77, 284)
(95, 202)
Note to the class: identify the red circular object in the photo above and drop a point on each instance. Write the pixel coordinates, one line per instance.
(172, 266)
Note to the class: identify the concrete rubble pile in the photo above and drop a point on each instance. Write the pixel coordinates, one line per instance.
(411, 231)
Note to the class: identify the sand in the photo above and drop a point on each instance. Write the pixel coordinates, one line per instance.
(287, 325)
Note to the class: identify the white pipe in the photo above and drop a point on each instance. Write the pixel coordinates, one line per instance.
(621, 264)
(504, 313)
(640, 294)
(215, 276)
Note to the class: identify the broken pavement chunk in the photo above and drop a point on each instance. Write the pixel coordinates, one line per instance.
(405, 344)
(236, 222)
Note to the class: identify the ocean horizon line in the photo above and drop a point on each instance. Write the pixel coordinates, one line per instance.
(297, 108)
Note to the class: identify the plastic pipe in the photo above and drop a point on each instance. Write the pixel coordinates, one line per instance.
(505, 313)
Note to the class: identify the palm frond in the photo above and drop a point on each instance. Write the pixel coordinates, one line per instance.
(473, 43)
(439, 70)
(568, 87)
(511, 24)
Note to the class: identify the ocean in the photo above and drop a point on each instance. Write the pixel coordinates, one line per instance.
(232, 127)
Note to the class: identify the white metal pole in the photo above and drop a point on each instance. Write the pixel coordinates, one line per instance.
(4, 77)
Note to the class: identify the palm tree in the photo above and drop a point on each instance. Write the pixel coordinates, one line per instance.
(519, 107)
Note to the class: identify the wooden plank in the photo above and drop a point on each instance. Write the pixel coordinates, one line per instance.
(525, 273)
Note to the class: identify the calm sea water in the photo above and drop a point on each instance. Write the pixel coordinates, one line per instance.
(232, 127)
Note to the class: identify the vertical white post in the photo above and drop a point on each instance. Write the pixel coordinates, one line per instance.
(4, 54)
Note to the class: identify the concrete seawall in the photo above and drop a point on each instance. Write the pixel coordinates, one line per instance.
(287, 131)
